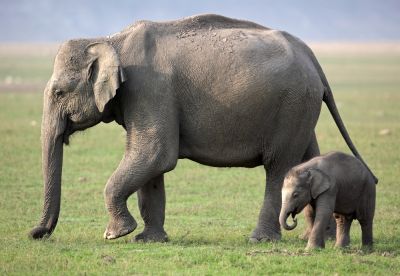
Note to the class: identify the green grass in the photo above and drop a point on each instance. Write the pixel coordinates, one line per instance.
(210, 212)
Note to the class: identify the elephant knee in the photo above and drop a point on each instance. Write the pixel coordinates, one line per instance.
(169, 163)
(162, 162)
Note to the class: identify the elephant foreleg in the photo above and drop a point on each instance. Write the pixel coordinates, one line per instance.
(120, 186)
(130, 176)
(309, 215)
(151, 201)
(311, 151)
(323, 213)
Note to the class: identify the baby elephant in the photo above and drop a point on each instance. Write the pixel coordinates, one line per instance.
(334, 183)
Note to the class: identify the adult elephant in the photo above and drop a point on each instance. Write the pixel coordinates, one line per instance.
(215, 90)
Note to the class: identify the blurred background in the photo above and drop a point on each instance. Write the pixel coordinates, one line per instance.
(312, 20)
(32, 30)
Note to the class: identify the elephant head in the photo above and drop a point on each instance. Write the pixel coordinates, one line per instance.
(85, 78)
(299, 188)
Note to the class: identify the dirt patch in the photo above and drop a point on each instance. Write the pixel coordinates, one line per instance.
(108, 259)
(283, 252)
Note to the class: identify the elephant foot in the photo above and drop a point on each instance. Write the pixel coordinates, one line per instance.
(315, 243)
(311, 247)
(120, 227)
(330, 234)
(305, 235)
(342, 245)
(151, 236)
(264, 236)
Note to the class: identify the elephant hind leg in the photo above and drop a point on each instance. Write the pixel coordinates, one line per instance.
(292, 133)
(268, 227)
(366, 215)
(151, 201)
(367, 237)
(312, 149)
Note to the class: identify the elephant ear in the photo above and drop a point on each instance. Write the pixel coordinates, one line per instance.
(104, 72)
(319, 181)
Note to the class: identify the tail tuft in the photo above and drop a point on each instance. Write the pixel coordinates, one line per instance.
(39, 232)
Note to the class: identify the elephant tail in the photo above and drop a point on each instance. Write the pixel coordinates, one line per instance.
(330, 103)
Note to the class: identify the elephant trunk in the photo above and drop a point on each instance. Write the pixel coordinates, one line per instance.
(53, 128)
(284, 216)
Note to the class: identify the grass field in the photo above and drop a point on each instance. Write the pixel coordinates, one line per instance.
(210, 212)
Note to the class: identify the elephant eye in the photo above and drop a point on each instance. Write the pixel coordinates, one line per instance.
(58, 93)
(295, 195)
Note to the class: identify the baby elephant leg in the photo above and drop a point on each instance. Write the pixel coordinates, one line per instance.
(324, 207)
(309, 216)
(366, 229)
(308, 213)
(366, 215)
(330, 231)
(343, 225)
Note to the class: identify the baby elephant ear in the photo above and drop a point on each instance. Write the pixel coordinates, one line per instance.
(104, 72)
(319, 182)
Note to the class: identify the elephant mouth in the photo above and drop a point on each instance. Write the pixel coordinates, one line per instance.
(68, 131)
(296, 211)
(293, 215)
(72, 127)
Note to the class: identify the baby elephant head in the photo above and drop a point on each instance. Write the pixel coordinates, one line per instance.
(299, 188)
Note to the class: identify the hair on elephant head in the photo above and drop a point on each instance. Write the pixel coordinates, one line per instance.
(86, 77)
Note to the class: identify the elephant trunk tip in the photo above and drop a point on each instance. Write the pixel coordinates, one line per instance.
(39, 232)
(291, 227)
(286, 226)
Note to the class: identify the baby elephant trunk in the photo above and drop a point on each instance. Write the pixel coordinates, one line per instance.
(283, 220)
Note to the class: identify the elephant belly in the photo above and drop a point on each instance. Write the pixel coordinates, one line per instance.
(221, 155)
(227, 136)
(221, 158)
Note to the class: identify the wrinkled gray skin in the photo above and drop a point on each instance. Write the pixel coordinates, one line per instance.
(335, 183)
(215, 90)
